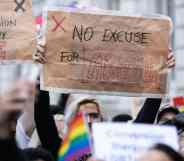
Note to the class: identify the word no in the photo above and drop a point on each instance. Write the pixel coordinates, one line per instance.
(84, 34)
(19, 5)
(69, 57)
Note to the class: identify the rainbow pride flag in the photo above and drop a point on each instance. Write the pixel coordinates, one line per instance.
(77, 141)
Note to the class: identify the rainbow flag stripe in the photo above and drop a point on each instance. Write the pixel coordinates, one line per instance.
(77, 142)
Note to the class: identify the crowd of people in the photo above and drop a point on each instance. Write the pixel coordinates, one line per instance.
(33, 130)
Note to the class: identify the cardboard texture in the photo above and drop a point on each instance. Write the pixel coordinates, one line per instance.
(17, 30)
(106, 53)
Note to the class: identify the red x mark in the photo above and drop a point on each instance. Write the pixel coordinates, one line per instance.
(58, 24)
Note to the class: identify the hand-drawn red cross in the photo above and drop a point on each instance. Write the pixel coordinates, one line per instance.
(58, 24)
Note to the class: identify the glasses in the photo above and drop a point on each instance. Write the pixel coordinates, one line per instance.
(93, 115)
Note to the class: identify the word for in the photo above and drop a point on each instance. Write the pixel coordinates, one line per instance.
(82, 33)
(58, 24)
(3, 35)
(7, 21)
(19, 5)
(69, 57)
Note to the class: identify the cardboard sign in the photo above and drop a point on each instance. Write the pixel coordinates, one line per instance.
(17, 30)
(105, 53)
(115, 142)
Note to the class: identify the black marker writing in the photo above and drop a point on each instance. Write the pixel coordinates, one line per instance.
(7, 21)
(124, 36)
(19, 5)
(83, 34)
(69, 57)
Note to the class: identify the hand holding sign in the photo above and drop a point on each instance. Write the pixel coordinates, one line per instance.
(40, 54)
(171, 61)
(170, 64)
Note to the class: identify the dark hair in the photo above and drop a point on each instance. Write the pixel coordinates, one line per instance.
(171, 153)
(86, 101)
(167, 110)
(33, 154)
(122, 118)
(55, 109)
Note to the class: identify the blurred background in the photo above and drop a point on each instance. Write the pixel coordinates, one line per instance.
(172, 8)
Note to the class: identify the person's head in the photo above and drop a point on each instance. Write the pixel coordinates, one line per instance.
(121, 118)
(161, 152)
(91, 108)
(167, 114)
(37, 154)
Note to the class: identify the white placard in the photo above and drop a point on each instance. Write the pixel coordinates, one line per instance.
(123, 142)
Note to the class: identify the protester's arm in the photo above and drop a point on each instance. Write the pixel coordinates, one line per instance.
(40, 55)
(25, 125)
(27, 118)
(45, 124)
(149, 111)
(12, 103)
(151, 106)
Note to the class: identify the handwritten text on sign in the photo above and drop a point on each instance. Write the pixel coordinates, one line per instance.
(17, 30)
(106, 53)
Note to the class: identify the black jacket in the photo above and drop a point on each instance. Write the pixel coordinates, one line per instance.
(9, 151)
(45, 124)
